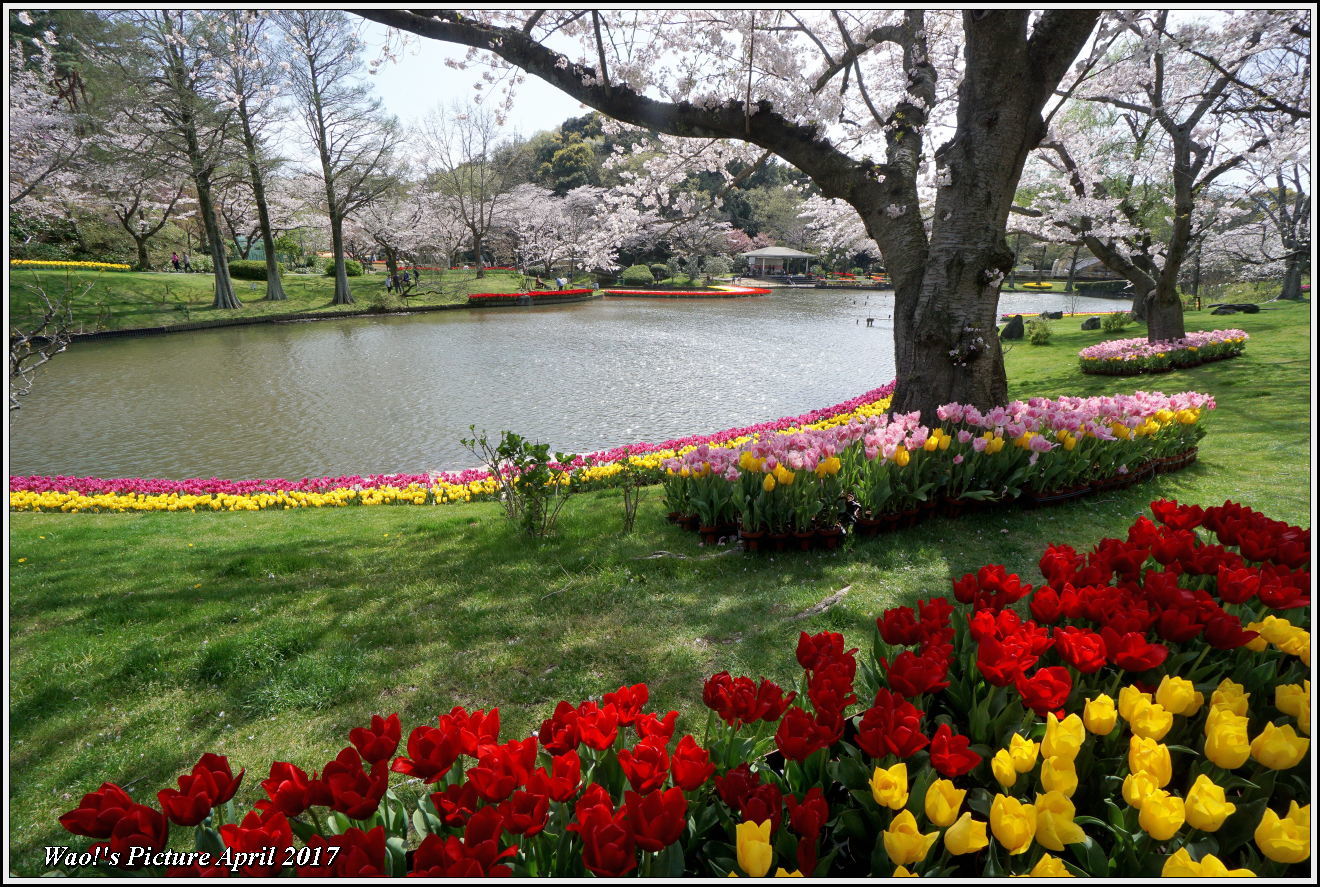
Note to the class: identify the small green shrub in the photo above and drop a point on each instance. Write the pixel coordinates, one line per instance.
(659, 271)
(352, 268)
(247, 269)
(533, 488)
(202, 264)
(1115, 322)
(1038, 332)
(637, 275)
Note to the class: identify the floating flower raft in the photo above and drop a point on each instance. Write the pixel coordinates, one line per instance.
(1131, 357)
(1150, 716)
(714, 292)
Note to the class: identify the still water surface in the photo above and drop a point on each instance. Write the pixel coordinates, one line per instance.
(395, 394)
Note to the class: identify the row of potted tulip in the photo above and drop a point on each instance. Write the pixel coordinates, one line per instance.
(883, 471)
(1130, 357)
(1149, 716)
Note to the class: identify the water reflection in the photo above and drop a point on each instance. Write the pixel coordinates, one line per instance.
(397, 394)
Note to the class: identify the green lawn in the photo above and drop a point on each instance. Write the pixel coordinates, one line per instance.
(119, 300)
(140, 641)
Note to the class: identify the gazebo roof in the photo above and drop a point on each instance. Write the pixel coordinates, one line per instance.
(778, 252)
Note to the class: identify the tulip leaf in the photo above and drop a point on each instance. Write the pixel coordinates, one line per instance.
(396, 853)
(670, 862)
(303, 830)
(337, 822)
(419, 821)
(1240, 826)
(1091, 855)
(207, 840)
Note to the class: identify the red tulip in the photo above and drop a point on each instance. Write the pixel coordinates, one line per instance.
(361, 854)
(950, 755)
(524, 813)
(690, 765)
(456, 804)
(1132, 651)
(628, 702)
(431, 752)
(646, 765)
(1046, 690)
(291, 791)
(379, 741)
(891, 726)
(561, 784)
(96, 815)
(253, 836)
(657, 819)
(898, 627)
(353, 791)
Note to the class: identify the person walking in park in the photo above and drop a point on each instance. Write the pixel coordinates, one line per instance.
(174, 260)
(187, 265)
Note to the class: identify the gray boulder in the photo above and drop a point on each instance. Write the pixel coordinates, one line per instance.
(1091, 323)
(1014, 329)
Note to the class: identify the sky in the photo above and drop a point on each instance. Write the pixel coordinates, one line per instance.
(419, 81)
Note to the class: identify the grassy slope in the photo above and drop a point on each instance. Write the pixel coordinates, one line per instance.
(140, 641)
(130, 299)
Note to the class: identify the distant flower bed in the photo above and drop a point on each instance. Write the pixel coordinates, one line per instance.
(487, 268)
(1143, 711)
(1038, 286)
(1007, 316)
(81, 266)
(709, 291)
(1131, 357)
(82, 494)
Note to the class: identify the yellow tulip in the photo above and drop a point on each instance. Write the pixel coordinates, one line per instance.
(902, 872)
(1152, 756)
(1013, 823)
(1206, 806)
(769, 483)
(967, 835)
(1285, 839)
(1295, 700)
(1001, 765)
(1058, 775)
(1139, 786)
(1226, 742)
(1023, 752)
(785, 873)
(1063, 739)
(1279, 748)
(1050, 867)
(1162, 814)
(1054, 822)
(1128, 697)
(1150, 720)
(1180, 865)
(904, 843)
(942, 802)
(901, 457)
(1179, 696)
(890, 787)
(1099, 716)
(755, 852)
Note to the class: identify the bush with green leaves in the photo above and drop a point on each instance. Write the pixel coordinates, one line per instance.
(1038, 332)
(352, 268)
(533, 486)
(717, 266)
(247, 269)
(637, 275)
(659, 271)
(1116, 322)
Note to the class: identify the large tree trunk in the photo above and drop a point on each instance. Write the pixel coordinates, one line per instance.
(274, 285)
(946, 341)
(343, 295)
(143, 261)
(224, 287)
(1292, 275)
(1164, 312)
(476, 247)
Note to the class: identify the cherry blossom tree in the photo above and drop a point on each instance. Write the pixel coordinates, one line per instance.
(175, 96)
(586, 227)
(836, 229)
(850, 98)
(44, 134)
(1173, 104)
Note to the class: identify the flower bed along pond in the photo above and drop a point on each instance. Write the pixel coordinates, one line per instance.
(1150, 718)
(535, 297)
(714, 292)
(94, 494)
(1131, 357)
(76, 266)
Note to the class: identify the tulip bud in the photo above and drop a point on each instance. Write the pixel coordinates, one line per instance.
(1063, 739)
(1023, 753)
(1050, 867)
(1001, 765)
(1058, 774)
(1054, 822)
(1013, 823)
(754, 850)
(903, 842)
(1099, 716)
(1206, 807)
(966, 835)
(942, 802)
(1285, 839)
(890, 787)
(1226, 743)
(1162, 814)
(1179, 696)
(1152, 756)
(1230, 695)
(1279, 748)
(1150, 720)
(1139, 786)
(1128, 697)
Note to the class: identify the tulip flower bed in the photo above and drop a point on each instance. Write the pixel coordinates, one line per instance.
(1150, 717)
(1130, 357)
(887, 471)
(80, 266)
(93, 494)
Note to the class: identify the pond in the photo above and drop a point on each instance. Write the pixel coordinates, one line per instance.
(396, 394)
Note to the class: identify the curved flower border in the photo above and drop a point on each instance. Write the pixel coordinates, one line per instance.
(1130, 357)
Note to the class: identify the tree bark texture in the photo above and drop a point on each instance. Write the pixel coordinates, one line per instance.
(274, 285)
